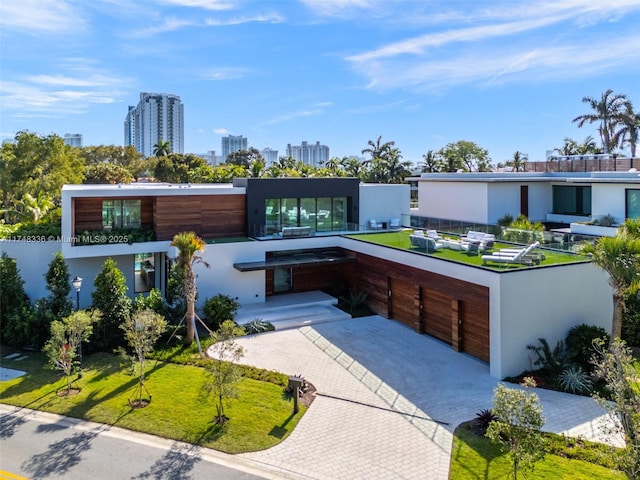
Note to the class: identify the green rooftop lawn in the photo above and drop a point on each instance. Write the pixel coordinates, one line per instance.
(260, 417)
(401, 240)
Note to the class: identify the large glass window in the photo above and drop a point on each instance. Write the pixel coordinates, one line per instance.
(633, 203)
(121, 213)
(322, 214)
(572, 200)
(144, 272)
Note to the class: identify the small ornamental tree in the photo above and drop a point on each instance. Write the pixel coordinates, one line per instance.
(224, 374)
(615, 366)
(59, 285)
(110, 297)
(518, 424)
(66, 336)
(141, 331)
(15, 309)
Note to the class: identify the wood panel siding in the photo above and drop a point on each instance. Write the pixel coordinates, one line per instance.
(209, 216)
(322, 277)
(87, 212)
(439, 302)
(404, 304)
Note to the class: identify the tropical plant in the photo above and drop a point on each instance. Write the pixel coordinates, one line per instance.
(522, 230)
(629, 132)
(552, 361)
(58, 284)
(189, 246)
(162, 148)
(219, 308)
(377, 149)
(608, 112)
(619, 257)
(518, 424)
(429, 163)
(66, 336)
(141, 332)
(615, 366)
(505, 220)
(483, 420)
(575, 380)
(580, 346)
(258, 325)
(223, 372)
(518, 163)
(355, 303)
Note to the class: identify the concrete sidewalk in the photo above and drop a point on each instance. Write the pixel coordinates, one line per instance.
(388, 400)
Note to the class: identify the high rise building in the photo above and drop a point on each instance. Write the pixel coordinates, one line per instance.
(232, 143)
(310, 154)
(270, 155)
(158, 116)
(73, 139)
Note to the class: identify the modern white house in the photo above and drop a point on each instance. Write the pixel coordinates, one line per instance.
(267, 237)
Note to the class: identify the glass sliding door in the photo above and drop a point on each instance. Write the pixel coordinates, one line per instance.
(308, 213)
(323, 215)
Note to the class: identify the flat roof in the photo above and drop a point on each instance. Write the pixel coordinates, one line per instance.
(498, 177)
(148, 189)
(297, 259)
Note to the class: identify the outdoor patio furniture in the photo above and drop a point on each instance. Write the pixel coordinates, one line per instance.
(394, 224)
(295, 232)
(519, 257)
(425, 244)
(433, 234)
(374, 225)
(453, 244)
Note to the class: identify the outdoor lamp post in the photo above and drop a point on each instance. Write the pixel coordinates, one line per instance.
(77, 284)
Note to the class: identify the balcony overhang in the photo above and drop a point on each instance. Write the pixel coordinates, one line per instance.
(305, 259)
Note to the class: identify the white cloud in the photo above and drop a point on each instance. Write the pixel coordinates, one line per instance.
(40, 16)
(336, 7)
(204, 4)
(225, 73)
(221, 131)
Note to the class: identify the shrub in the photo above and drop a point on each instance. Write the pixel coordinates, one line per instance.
(575, 380)
(218, 309)
(606, 220)
(483, 419)
(553, 361)
(579, 344)
(505, 220)
(258, 326)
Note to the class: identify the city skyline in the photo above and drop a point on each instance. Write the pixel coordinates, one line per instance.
(506, 75)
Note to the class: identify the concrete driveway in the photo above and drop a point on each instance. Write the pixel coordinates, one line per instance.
(388, 400)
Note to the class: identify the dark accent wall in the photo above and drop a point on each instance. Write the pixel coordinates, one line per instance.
(259, 189)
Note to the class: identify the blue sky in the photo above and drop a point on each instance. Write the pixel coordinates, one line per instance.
(507, 75)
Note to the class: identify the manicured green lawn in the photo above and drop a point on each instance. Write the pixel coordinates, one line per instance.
(260, 418)
(401, 240)
(475, 457)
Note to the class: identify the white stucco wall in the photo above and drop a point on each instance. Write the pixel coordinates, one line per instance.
(609, 198)
(382, 202)
(540, 201)
(465, 201)
(503, 198)
(544, 303)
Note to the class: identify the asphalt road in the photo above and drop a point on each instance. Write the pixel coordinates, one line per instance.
(36, 445)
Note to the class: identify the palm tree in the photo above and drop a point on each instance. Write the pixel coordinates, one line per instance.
(569, 147)
(378, 150)
(189, 245)
(618, 257)
(629, 132)
(430, 163)
(607, 111)
(162, 148)
(518, 163)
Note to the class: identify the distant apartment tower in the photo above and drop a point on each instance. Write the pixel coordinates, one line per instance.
(270, 155)
(158, 116)
(73, 139)
(232, 143)
(310, 154)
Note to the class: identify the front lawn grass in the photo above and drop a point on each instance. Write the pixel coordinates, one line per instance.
(474, 457)
(402, 241)
(260, 417)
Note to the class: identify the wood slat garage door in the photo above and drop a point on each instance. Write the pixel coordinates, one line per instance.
(404, 304)
(436, 314)
(474, 329)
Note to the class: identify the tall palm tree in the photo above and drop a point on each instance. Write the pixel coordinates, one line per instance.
(618, 257)
(518, 162)
(608, 111)
(189, 245)
(429, 164)
(377, 149)
(162, 148)
(629, 132)
(569, 147)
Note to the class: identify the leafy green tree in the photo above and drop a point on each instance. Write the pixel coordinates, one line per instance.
(615, 366)
(59, 285)
(245, 158)
(141, 331)
(429, 163)
(162, 148)
(189, 246)
(15, 308)
(465, 156)
(629, 132)
(110, 297)
(107, 173)
(618, 257)
(127, 158)
(175, 167)
(518, 424)
(607, 111)
(224, 373)
(66, 336)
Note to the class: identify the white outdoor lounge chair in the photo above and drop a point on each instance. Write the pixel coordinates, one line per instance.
(519, 257)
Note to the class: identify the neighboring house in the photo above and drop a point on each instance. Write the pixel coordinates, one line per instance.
(271, 236)
(568, 197)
